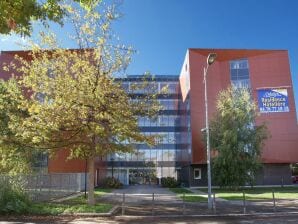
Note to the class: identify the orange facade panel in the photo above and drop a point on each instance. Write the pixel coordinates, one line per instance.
(268, 69)
(61, 164)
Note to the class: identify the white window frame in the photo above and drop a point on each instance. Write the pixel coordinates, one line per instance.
(200, 173)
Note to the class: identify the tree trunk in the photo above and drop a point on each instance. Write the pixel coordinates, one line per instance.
(91, 200)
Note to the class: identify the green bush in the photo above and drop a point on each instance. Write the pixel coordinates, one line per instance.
(111, 182)
(169, 182)
(13, 199)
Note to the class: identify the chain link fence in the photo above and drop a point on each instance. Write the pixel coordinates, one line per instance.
(47, 187)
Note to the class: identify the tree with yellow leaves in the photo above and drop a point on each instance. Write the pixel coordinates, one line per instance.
(17, 15)
(76, 103)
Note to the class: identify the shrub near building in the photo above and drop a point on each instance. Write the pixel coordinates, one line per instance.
(111, 182)
(13, 199)
(169, 182)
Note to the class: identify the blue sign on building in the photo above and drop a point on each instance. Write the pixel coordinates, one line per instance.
(273, 100)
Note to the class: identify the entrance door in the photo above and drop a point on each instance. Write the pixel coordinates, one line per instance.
(142, 176)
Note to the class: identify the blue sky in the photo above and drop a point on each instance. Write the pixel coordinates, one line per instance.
(162, 30)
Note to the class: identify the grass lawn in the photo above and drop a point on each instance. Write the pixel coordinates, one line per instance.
(73, 205)
(180, 190)
(188, 195)
(82, 200)
(259, 193)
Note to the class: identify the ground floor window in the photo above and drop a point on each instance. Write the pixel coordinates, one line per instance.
(197, 173)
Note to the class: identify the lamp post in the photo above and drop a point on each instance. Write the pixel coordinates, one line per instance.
(210, 59)
(112, 160)
(86, 163)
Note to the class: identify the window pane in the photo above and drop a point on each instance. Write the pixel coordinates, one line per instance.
(159, 155)
(239, 73)
(171, 155)
(197, 173)
(153, 155)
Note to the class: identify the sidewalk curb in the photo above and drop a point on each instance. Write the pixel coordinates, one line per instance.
(272, 214)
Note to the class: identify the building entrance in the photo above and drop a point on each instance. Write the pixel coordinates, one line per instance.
(142, 176)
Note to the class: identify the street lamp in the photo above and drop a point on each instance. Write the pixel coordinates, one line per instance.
(112, 160)
(210, 59)
(86, 164)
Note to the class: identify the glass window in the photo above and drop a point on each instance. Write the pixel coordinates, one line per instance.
(171, 104)
(120, 157)
(141, 121)
(162, 137)
(147, 121)
(165, 171)
(171, 137)
(152, 87)
(128, 157)
(125, 86)
(136, 87)
(164, 105)
(168, 104)
(241, 83)
(172, 87)
(171, 121)
(154, 122)
(134, 156)
(239, 64)
(160, 155)
(171, 155)
(142, 155)
(159, 172)
(197, 173)
(165, 155)
(178, 137)
(147, 155)
(172, 172)
(153, 155)
(164, 120)
(239, 72)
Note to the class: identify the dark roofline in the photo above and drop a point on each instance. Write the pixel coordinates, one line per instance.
(139, 78)
(235, 49)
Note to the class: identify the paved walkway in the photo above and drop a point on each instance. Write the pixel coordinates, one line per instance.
(138, 200)
(142, 194)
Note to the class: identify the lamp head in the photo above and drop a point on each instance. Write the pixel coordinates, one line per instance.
(211, 58)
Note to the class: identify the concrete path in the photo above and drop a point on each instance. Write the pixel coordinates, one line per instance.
(142, 194)
(139, 201)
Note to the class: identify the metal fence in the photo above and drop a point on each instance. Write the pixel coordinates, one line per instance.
(169, 204)
(47, 187)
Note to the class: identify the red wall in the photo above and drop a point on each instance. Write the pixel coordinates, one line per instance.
(268, 68)
(60, 164)
(5, 58)
(273, 70)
